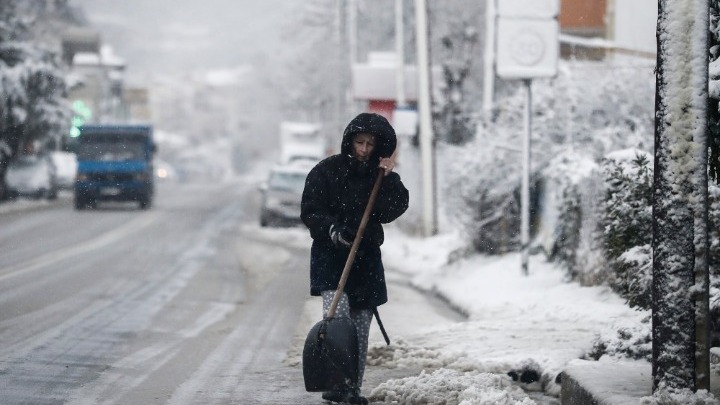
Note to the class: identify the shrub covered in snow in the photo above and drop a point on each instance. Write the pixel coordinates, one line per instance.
(627, 224)
(593, 107)
(634, 341)
(567, 219)
(681, 397)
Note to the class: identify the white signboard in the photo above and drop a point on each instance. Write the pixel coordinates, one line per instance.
(527, 48)
(529, 8)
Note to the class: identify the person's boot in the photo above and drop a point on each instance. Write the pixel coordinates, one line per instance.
(333, 396)
(353, 397)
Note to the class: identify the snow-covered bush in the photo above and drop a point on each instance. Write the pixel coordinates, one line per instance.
(488, 207)
(714, 92)
(680, 397)
(566, 212)
(567, 233)
(593, 107)
(633, 342)
(714, 261)
(627, 224)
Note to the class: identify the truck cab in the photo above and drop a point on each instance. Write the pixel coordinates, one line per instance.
(114, 163)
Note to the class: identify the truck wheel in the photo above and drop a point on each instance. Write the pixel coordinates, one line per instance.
(80, 204)
(145, 203)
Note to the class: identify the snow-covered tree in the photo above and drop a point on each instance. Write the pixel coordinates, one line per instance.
(680, 241)
(316, 77)
(454, 120)
(312, 85)
(32, 89)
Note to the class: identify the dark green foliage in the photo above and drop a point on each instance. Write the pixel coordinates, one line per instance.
(453, 112)
(632, 276)
(628, 202)
(626, 226)
(714, 99)
(567, 233)
(714, 231)
(628, 342)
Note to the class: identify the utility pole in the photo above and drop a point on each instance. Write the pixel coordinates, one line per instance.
(426, 130)
(489, 58)
(400, 55)
(352, 31)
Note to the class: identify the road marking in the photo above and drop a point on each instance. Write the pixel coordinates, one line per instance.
(55, 256)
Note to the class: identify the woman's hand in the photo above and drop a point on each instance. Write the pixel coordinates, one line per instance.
(387, 164)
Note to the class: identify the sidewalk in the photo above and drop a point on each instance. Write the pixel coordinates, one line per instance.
(616, 382)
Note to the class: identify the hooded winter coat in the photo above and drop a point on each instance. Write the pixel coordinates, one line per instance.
(336, 191)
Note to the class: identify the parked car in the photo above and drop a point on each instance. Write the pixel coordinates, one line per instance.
(33, 176)
(282, 193)
(65, 168)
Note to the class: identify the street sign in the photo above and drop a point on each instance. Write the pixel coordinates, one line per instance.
(529, 8)
(527, 48)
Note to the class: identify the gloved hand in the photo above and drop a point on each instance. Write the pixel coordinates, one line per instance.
(342, 235)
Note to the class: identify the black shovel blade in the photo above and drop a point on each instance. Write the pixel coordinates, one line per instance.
(330, 355)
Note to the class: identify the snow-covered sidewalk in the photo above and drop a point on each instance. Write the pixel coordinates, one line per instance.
(515, 323)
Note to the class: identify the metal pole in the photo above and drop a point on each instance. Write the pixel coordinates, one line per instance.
(426, 130)
(352, 31)
(489, 59)
(400, 54)
(525, 192)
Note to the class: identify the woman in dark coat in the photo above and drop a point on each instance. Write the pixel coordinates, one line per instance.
(336, 192)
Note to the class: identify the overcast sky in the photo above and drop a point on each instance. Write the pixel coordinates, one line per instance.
(182, 35)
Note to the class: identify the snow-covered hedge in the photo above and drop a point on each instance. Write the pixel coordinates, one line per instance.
(587, 111)
(626, 224)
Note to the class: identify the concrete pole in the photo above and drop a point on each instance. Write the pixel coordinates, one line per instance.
(400, 55)
(489, 58)
(426, 130)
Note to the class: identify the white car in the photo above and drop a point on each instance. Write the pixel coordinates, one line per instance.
(65, 168)
(32, 176)
(282, 193)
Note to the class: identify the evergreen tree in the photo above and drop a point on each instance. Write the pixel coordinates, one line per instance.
(454, 120)
(33, 102)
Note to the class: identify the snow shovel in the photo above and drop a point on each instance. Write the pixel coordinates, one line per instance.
(330, 355)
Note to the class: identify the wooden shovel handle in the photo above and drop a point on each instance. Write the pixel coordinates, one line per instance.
(356, 243)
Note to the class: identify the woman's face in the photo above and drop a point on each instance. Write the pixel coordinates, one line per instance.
(363, 146)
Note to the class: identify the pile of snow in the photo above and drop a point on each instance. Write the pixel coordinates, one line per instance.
(451, 387)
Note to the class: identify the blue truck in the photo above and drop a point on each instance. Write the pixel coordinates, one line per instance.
(114, 163)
